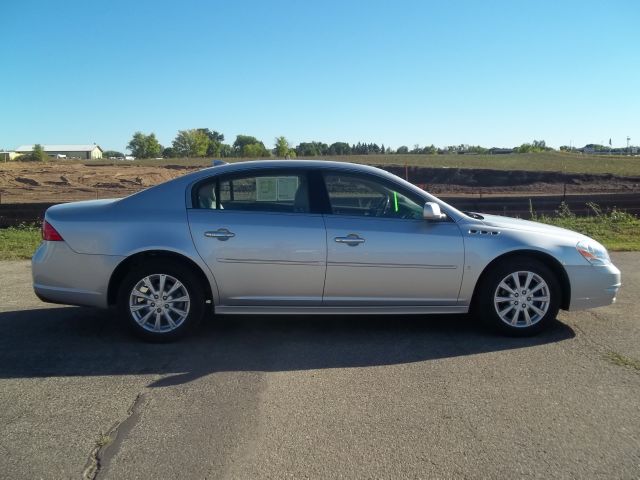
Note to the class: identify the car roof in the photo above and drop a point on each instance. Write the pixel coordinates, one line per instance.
(251, 164)
(173, 192)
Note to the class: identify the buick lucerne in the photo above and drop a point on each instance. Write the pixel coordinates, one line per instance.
(310, 237)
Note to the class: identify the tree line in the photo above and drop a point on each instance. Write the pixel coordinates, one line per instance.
(203, 142)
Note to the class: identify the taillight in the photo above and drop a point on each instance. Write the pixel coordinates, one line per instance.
(49, 233)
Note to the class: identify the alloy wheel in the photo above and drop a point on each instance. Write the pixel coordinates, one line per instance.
(522, 299)
(159, 303)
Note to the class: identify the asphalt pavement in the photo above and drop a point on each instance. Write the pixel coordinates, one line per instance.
(318, 397)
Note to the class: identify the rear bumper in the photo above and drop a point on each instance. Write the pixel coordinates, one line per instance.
(61, 275)
(593, 286)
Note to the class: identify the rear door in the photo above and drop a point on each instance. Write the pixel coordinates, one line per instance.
(258, 235)
(380, 251)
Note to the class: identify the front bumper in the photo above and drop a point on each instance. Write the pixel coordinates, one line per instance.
(61, 275)
(593, 286)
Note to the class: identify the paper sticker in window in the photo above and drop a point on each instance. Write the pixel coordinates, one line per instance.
(287, 187)
(266, 189)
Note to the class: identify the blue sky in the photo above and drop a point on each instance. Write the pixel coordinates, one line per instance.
(495, 73)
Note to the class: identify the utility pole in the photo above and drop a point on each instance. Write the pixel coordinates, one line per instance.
(628, 140)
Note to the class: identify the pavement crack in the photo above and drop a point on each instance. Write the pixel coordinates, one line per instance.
(108, 444)
(604, 351)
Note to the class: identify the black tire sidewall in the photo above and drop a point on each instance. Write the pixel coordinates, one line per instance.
(185, 275)
(485, 306)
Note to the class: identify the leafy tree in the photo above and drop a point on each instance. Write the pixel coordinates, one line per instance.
(215, 142)
(248, 146)
(191, 143)
(242, 141)
(339, 148)
(112, 154)
(430, 150)
(535, 147)
(255, 150)
(403, 149)
(226, 150)
(168, 152)
(38, 154)
(311, 149)
(144, 146)
(282, 147)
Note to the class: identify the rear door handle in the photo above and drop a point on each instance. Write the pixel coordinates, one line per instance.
(352, 240)
(221, 234)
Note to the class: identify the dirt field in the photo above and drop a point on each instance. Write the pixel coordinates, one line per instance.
(39, 183)
(34, 183)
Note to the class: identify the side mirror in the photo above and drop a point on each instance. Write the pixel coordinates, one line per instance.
(431, 211)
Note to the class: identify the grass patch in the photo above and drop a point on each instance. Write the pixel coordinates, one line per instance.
(616, 230)
(104, 439)
(544, 161)
(622, 360)
(19, 243)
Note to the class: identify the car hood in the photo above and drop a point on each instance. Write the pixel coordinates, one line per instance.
(529, 226)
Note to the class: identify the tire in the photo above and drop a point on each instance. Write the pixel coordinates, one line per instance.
(155, 317)
(535, 303)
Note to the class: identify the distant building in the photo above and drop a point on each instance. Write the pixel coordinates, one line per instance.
(83, 152)
(5, 156)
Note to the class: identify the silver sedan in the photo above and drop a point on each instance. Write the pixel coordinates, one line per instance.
(310, 237)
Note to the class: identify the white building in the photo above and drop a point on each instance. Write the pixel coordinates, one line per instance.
(83, 152)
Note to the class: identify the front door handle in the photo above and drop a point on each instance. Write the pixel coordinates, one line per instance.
(352, 240)
(221, 234)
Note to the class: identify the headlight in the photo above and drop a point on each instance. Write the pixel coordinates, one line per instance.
(593, 252)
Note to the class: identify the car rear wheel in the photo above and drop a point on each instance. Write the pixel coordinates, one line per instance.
(161, 301)
(519, 297)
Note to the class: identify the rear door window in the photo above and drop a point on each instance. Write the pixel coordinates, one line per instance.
(270, 192)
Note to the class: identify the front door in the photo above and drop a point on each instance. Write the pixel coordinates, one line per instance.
(260, 240)
(380, 251)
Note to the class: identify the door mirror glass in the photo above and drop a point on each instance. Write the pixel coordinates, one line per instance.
(431, 211)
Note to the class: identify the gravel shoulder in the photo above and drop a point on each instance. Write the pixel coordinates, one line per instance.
(383, 397)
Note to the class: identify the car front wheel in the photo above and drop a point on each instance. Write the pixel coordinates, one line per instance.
(161, 301)
(519, 297)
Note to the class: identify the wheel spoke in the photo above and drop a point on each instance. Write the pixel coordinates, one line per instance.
(516, 316)
(527, 281)
(537, 310)
(149, 286)
(538, 287)
(144, 319)
(516, 279)
(163, 279)
(507, 287)
(175, 286)
(157, 325)
(135, 308)
(504, 299)
(169, 319)
(527, 317)
(540, 299)
(138, 293)
(182, 313)
(502, 313)
(184, 298)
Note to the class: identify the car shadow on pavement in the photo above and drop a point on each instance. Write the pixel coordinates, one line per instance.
(74, 341)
